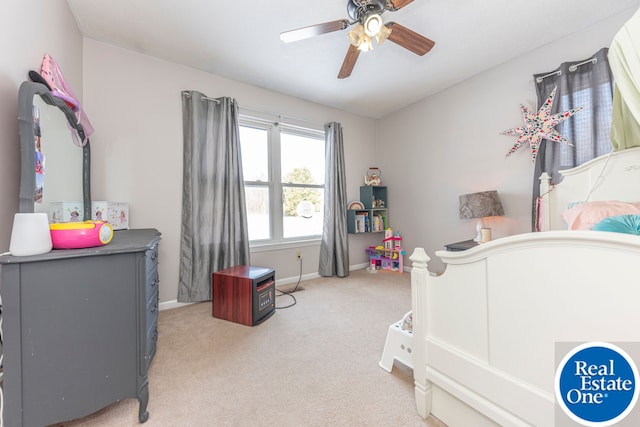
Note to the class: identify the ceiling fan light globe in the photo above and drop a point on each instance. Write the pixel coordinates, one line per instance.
(373, 24)
(356, 35)
(354, 39)
(384, 34)
(365, 44)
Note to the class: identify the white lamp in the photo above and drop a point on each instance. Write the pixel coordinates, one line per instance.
(481, 205)
(30, 234)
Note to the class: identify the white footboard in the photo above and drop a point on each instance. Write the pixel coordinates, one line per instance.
(485, 330)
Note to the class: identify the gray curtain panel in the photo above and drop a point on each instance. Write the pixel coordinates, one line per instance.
(334, 249)
(585, 83)
(214, 218)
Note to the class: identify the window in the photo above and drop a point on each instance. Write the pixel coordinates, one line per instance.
(587, 84)
(283, 168)
(590, 130)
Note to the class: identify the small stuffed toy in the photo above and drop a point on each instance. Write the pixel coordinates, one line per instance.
(407, 322)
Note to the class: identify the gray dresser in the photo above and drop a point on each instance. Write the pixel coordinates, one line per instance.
(80, 328)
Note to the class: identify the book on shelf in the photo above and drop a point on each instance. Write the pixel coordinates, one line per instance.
(362, 222)
(377, 223)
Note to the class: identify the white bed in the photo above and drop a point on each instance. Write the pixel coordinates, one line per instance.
(484, 332)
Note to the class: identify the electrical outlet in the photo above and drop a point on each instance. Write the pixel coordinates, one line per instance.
(298, 254)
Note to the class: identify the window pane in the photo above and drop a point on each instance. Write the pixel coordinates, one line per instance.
(303, 211)
(258, 218)
(302, 159)
(282, 164)
(254, 144)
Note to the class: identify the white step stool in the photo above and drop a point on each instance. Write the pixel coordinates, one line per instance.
(397, 347)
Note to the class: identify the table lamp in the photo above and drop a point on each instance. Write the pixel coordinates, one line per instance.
(481, 205)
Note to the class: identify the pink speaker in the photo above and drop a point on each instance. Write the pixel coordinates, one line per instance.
(75, 235)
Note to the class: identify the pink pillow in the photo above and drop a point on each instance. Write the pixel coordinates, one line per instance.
(585, 215)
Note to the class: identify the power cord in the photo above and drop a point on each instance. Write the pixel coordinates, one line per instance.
(290, 293)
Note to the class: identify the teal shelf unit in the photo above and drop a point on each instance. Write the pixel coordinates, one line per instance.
(374, 218)
(373, 197)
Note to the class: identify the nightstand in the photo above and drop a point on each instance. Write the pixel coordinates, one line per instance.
(461, 246)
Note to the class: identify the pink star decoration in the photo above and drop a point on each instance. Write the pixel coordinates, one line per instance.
(539, 126)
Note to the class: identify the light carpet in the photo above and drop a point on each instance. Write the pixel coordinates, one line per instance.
(313, 364)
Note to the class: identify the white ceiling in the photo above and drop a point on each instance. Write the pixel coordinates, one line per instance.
(239, 39)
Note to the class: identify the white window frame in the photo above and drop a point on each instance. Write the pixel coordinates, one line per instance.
(274, 184)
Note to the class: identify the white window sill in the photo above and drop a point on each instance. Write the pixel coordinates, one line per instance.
(269, 246)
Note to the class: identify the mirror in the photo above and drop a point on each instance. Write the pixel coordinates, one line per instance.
(53, 167)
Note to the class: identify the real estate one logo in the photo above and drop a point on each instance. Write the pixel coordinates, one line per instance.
(596, 384)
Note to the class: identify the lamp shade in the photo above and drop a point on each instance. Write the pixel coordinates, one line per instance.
(480, 205)
(30, 234)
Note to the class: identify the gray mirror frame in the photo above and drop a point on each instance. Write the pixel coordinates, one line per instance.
(27, 147)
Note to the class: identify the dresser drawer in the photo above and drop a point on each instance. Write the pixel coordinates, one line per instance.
(152, 307)
(151, 257)
(153, 283)
(150, 347)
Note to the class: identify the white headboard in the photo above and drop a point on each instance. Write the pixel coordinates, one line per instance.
(614, 176)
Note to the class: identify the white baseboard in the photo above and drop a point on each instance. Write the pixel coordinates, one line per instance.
(289, 283)
(286, 284)
(358, 266)
(173, 304)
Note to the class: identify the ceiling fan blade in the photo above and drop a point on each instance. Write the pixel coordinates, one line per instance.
(408, 39)
(349, 62)
(394, 5)
(313, 30)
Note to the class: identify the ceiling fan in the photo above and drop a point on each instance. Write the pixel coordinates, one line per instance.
(366, 14)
